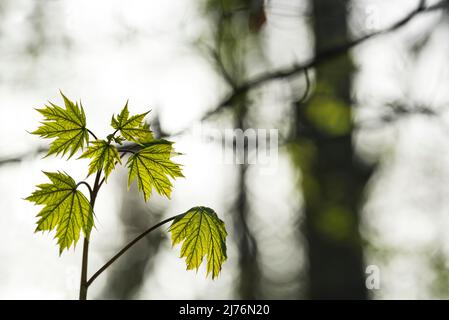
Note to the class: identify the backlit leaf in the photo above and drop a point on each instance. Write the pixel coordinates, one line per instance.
(132, 128)
(103, 155)
(66, 209)
(203, 234)
(152, 167)
(67, 125)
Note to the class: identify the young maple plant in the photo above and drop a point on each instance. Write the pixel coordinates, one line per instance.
(68, 211)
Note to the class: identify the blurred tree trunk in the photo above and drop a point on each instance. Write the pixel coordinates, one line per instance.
(249, 273)
(332, 178)
(234, 30)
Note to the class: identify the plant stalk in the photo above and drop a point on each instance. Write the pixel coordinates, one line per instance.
(83, 284)
(84, 264)
(127, 247)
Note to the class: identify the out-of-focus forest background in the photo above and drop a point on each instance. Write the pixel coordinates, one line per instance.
(361, 178)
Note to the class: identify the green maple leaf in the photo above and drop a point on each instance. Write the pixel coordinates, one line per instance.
(67, 125)
(66, 209)
(103, 155)
(204, 234)
(152, 167)
(147, 135)
(132, 128)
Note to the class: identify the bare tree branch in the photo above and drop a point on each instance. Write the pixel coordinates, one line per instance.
(286, 73)
(317, 60)
(22, 156)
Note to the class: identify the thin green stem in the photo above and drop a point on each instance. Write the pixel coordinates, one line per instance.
(101, 182)
(92, 134)
(87, 185)
(83, 287)
(126, 248)
(84, 264)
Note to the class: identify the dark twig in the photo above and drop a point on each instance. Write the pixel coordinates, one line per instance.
(21, 157)
(307, 89)
(221, 67)
(317, 60)
(84, 264)
(88, 187)
(92, 134)
(126, 150)
(282, 73)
